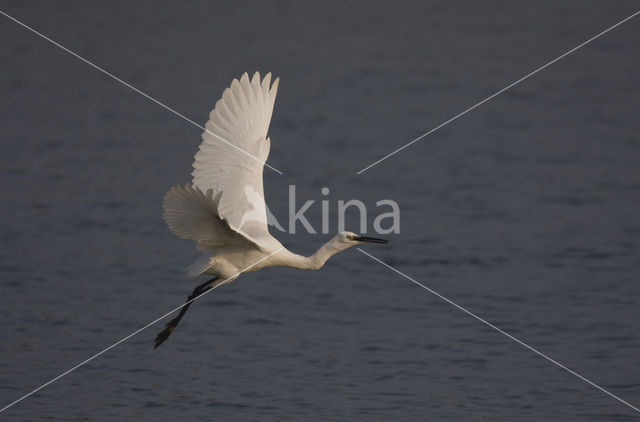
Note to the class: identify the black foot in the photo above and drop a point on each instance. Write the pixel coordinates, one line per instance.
(171, 325)
(164, 334)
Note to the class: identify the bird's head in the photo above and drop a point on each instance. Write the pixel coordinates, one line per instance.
(346, 240)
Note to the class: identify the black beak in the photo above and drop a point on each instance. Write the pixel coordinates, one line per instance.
(365, 239)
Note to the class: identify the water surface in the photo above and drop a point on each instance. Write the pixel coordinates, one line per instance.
(525, 211)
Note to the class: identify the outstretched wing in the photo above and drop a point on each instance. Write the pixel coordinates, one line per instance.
(192, 214)
(233, 151)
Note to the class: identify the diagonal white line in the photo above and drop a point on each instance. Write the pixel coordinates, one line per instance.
(499, 330)
(131, 335)
(135, 89)
(497, 93)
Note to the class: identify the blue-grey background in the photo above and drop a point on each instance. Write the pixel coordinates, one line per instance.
(524, 210)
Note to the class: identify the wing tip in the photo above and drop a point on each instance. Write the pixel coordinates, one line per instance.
(266, 82)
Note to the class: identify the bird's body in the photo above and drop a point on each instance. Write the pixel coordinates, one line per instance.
(223, 210)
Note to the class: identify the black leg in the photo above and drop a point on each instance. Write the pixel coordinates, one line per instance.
(171, 325)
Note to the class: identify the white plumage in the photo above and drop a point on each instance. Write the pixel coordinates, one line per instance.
(242, 118)
(224, 210)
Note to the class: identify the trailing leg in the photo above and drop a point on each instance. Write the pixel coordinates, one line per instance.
(171, 325)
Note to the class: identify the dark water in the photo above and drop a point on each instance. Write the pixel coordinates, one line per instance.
(525, 211)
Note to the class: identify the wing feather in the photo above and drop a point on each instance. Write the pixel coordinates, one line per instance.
(241, 117)
(192, 214)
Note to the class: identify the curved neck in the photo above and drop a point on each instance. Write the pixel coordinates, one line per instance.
(312, 262)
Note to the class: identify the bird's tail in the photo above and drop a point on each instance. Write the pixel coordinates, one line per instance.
(202, 264)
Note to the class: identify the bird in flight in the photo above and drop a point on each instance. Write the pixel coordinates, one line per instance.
(223, 209)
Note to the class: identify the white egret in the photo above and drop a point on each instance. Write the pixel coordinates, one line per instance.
(223, 210)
